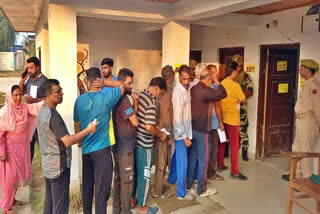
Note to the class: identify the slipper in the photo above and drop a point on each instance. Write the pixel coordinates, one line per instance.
(189, 196)
(208, 192)
(163, 195)
(151, 210)
(9, 211)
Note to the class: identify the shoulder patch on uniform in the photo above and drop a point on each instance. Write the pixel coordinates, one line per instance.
(314, 91)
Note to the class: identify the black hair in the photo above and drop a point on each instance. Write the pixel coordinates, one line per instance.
(159, 81)
(166, 72)
(185, 69)
(124, 73)
(313, 70)
(234, 65)
(107, 61)
(46, 87)
(229, 69)
(93, 73)
(35, 60)
(14, 87)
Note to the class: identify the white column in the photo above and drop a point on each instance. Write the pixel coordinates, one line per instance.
(175, 43)
(62, 26)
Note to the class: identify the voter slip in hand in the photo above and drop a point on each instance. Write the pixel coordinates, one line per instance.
(222, 136)
(165, 131)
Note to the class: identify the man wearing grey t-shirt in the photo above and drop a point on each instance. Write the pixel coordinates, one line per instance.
(55, 147)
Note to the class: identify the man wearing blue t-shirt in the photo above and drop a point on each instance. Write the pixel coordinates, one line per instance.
(96, 153)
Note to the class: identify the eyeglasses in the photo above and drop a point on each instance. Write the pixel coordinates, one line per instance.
(58, 91)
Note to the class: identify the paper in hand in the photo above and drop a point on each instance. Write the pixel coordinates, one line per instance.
(165, 131)
(33, 91)
(222, 136)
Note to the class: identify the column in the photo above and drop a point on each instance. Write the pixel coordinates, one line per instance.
(62, 27)
(175, 43)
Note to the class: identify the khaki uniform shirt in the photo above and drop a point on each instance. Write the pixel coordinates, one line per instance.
(309, 100)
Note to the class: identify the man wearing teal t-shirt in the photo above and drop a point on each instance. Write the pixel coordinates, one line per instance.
(96, 152)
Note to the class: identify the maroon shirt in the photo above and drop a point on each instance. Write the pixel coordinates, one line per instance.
(201, 96)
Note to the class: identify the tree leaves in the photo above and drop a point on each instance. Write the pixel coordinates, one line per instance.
(7, 34)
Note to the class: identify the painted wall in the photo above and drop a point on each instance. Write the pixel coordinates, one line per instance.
(251, 37)
(114, 39)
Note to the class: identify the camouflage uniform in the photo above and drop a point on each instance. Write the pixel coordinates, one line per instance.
(246, 84)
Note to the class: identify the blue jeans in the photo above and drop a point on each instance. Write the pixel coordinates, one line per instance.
(179, 166)
(199, 152)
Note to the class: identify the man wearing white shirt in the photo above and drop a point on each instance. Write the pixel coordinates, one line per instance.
(182, 132)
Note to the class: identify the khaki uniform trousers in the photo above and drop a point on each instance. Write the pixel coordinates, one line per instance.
(307, 131)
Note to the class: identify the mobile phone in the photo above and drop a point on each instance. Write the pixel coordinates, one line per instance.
(25, 73)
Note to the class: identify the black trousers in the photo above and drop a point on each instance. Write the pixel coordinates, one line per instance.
(57, 194)
(97, 169)
(32, 142)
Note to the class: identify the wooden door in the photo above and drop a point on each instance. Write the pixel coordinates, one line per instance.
(277, 96)
(225, 56)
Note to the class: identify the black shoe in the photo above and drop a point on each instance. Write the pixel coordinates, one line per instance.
(239, 176)
(286, 177)
(245, 154)
(221, 168)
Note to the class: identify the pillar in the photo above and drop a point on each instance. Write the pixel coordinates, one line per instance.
(62, 27)
(175, 43)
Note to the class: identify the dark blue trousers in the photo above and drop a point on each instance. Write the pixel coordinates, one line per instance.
(199, 152)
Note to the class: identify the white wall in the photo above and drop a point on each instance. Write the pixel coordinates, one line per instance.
(251, 37)
(110, 38)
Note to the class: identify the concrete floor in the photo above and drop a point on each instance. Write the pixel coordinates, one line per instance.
(264, 193)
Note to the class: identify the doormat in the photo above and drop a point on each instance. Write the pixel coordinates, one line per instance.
(173, 203)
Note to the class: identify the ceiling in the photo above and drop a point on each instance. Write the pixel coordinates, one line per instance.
(23, 14)
(278, 6)
(165, 1)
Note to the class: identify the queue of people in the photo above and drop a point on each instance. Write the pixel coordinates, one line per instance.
(122, 134)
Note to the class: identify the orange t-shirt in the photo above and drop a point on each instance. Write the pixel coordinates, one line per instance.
(229, 105)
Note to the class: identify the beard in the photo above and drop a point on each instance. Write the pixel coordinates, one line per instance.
(33, 75)
(127, 92)
(106, 75)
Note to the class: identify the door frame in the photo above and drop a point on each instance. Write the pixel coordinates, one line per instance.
(262, 93)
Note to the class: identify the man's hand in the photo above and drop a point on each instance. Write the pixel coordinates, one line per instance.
(221, 126)
(170, 141)
(29, 99)
(187, 142)
(163, 136)
(92, 126)
(4, 158)
(135, 96)
(98, 83)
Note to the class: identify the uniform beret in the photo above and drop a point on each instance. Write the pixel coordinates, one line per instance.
(310, 63)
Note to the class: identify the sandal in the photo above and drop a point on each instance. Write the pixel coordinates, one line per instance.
(9, 212)
(208, 192)
(163, 195)
(151, 210)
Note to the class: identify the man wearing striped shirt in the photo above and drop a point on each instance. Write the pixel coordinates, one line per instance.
(146, 131)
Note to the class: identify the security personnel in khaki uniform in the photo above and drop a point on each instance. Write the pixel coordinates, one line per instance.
(308, 117)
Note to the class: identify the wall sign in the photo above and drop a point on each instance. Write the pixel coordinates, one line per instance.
(250, 68)
(282, 65)
(283, 88)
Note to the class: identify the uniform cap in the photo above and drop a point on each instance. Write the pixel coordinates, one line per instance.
(310, 63)
(238, 59)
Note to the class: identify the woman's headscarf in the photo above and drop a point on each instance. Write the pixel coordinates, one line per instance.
(13, 118)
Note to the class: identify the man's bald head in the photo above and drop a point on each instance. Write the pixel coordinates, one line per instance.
(205, 74)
